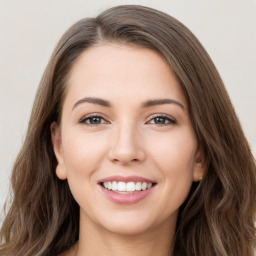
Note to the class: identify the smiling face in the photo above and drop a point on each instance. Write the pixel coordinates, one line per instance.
(126, 144)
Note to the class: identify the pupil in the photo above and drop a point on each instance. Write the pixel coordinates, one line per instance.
(160, 120)
(95, 120)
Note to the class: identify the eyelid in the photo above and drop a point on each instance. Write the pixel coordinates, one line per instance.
(83, 119)
(171, 119)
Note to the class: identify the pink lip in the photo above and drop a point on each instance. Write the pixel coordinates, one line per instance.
(126, 179)
(131, 198)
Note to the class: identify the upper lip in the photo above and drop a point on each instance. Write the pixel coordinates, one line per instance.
(126, 179)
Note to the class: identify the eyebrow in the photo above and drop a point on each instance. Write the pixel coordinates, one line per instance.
(150, 103)
(146, 104)
(93, 100)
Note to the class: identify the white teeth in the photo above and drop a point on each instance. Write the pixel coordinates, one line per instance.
(109, 185)
(114, 185)
(138, 186)
(144, 186)
(130, 186)
(149, 185)
(123, 187)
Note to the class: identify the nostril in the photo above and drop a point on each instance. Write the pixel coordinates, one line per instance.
(123, 161)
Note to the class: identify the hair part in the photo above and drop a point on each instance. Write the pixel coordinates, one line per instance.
(217, 217)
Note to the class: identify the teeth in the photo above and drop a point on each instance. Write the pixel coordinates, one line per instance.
(149, 185)
(114, 185)
(123, 187)
(138, 186)
(130, 186)
(109, 185)
(144, 186)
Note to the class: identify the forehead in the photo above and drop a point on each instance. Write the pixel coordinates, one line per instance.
(117, 71)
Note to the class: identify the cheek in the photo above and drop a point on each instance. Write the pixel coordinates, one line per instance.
(175, 149)
(82, 152)
(174, 156)
(83, 155)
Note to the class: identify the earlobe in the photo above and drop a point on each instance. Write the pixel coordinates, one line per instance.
(56, 143)
(61, 172)
(199, 172)
(200, 166)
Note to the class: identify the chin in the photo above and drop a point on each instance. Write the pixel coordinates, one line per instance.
(129, 228)
(134, 224)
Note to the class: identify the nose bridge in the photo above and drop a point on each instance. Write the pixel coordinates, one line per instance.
(125, 144)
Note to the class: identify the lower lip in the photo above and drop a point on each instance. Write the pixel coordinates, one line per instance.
(130, 198)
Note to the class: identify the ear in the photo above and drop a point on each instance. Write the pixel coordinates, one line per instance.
(57, 148)
(199, 165)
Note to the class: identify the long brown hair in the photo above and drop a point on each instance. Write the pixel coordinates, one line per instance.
(217, 219)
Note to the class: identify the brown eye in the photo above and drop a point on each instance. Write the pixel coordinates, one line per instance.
(160, 120)
(93, 120)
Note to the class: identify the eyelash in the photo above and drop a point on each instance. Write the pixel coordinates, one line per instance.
(90, 118)
(165, 118)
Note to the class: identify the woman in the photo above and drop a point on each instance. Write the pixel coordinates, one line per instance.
(133, 148)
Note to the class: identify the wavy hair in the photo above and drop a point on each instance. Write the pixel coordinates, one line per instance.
(217, 218)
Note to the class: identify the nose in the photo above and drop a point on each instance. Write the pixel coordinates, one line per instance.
(126, 146)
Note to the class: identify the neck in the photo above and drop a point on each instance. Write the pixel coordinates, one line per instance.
(93, 240)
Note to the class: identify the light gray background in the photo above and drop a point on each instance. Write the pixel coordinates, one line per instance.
(30, 29)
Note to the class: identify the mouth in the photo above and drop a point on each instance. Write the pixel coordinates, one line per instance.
(126, 190)
(123, 187)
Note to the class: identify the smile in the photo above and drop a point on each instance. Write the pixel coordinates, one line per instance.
(126, 190)
(126, 187)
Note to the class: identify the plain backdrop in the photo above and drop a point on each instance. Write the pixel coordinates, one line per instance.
(29, 30)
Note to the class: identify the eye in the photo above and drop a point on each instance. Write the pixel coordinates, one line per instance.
(162, 120)
(93, 120)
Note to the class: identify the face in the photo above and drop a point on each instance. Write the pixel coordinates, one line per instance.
(126, 144)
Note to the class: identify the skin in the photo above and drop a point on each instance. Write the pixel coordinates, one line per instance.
(127, 139)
